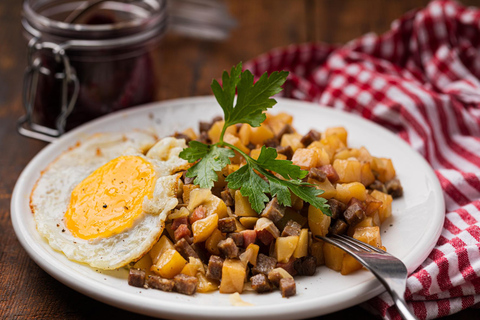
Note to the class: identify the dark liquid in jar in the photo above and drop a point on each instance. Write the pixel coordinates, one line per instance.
(109, 79)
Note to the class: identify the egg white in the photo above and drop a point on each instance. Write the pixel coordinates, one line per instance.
(51, 196)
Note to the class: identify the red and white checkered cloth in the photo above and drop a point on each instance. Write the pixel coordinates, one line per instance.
(421, 80)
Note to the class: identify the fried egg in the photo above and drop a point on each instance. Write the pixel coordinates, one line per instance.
(104, 202)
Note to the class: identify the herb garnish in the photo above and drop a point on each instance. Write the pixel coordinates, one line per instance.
(252, 100)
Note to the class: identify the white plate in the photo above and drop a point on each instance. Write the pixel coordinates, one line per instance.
(410, 234)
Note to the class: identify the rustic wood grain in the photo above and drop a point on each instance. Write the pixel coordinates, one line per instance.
(187, 66)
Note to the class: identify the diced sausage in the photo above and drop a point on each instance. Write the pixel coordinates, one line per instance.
(228, 248)
(179, 135)
(185, 284)
(292, 228)
(312, 135)
(136, 277)
(182, 232)
(264, 264)
(317, 174)
(287, 287)
(331, 173)
(378, 185)
(204, 138)
(273, 210)
(354, 214)
(249, 237)
(336, 207)
(286, 129)
(286, 151)
(178, 222)
(197, 214)
(227, 198)
(237, 237)
(272, 143)
(159, 283)
(227, 225)
(214, 269)
(260, 283)
(266, 231)
(306, 266)
(394, 188)
(338, 227)
(288, 266)
(185, 249)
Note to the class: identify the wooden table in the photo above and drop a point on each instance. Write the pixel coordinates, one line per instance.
(26, 291)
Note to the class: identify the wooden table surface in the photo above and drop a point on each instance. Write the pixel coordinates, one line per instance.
(188, 66)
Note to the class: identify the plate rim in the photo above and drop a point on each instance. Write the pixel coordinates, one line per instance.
(373, 287)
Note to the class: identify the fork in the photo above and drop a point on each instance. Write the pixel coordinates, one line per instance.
(390, 271)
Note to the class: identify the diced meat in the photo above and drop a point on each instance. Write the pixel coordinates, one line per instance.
(378, 185)
(228, 248)
(286, 151)
(179, 135)
(272, 143)
(336, 207)
(317, 174)
(227, 198)
(185, 284)
(354, 214)
(287, 287)
(237, 237)
(185, 249)
(182, 232)
(265, 264)
(203, 137)
(266, 231)
(260, 283)
(273, 210)
(331, 173)
(286, 129)
(197, 214)
(159, 283)
(338, 227)
(355, 200)
(136, 277)
(292, 228)
(227, 225)
(394, 188)
(274, 276)
(306, 266)
(288, 266)
(178, 222)
(214, 269)
(312, 135)
(249, 237)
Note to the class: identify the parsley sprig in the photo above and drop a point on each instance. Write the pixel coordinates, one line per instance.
(281, 177)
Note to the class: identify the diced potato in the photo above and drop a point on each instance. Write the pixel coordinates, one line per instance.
(372, 205)
(346, 153)
(239, 227)
(179, 187)
(169, 264)
(229, 169)
(244, 134)
(193, 267)
(333, 256)
(259, 135)
(205, 285)
(216, 130)
(242, 206)
(302, 247)
(367, 175)
(278, 122)
(284, 247)
(144, 263)
(305, 158)
(326, 186)
(367, 222)
(370, 235)
(187, 188)
(385, 209)
(203, 228)
(340, 132)
(318, 221)
(159, 248)
(364, 155)
(190, 133)
(349, 170)
(235, 141)
(331, 144)
(316, 250)
(233, 276)
(248, 222)
(349, 265)
(250, 255)
(179, 213)
(384, 169)
(211, 203)
(323, 158)
(211, 244)
(347, 191)
(255, 153)
(292, 140)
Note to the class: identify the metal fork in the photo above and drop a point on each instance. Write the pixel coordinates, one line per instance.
(391, 272)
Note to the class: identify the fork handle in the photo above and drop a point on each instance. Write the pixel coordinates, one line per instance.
(402, 307)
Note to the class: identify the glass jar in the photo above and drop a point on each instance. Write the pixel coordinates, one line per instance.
(87, 59)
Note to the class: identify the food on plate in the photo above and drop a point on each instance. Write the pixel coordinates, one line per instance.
(256, 195)
(104, 202)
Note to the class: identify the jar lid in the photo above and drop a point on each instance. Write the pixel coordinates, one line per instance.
(97, 23)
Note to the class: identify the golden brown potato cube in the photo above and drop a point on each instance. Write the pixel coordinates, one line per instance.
(284, 248)
(255, 153)
(216, 130)
(203, 228)
(260, 134)
(244, 134)
(187, 188)
(144, 263)
(333, 256)
(347, 191)
(193, 267)
(364, 155)
(211, 203)
(323, 153)
(250, 255)
(332, 144)
(211, 244)
(305, 158)
(367, 177)
(159, 248)
(329, 190)
(205, 285)
(302, 247)
(340, 132)
(242, 206)
(169, 264)
(230, 168)
(349, 265)
(318, 221)
(367, 222)
(190, 133)
(316, 250)
(292, 140)
(384, 168)
(370, 235)
(385, 209)
(248, 222)
(346, 153)
(372, 205)
(233, 276)
(235, 141)
(349, 170)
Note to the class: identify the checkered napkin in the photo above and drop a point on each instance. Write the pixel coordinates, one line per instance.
(420, 80)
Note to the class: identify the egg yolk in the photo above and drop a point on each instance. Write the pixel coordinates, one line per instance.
(109, 200)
